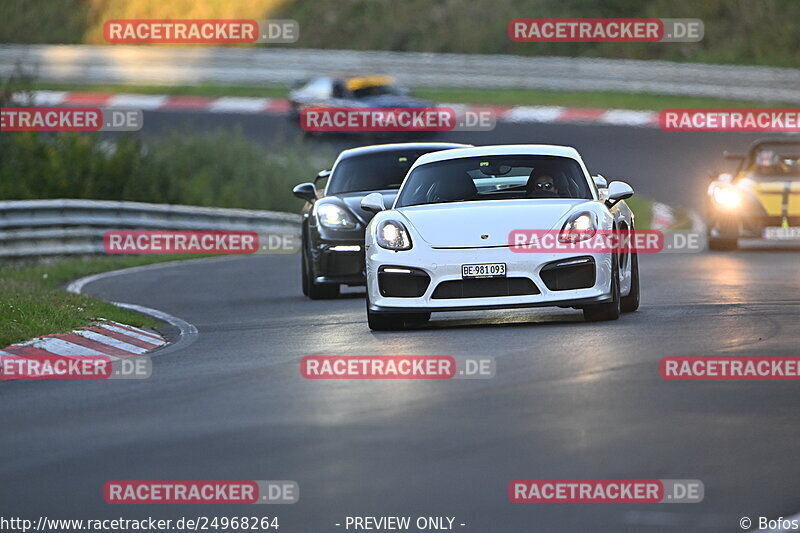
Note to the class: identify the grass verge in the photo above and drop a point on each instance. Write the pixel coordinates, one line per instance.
(33, 301)
(600, 99)
(220, 168)
(642, 210)
(500, 97)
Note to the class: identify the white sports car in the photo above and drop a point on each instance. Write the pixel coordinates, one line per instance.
(446, 245)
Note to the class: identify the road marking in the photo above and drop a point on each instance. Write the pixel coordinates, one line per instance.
(58, 346)
(627, 117)
(188, 333)
(122, 345)
(138, 101)
(49, 98)
(133, 334)
(147, 334)
(94, 345)
(230, 104)
(534, 113)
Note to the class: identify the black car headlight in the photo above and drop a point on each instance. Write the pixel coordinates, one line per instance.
(393, 235)
(333, 216)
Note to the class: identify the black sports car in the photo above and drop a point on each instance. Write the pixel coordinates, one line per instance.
(333, 223)
(760, 200)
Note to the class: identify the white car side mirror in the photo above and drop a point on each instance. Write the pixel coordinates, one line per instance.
(602, 187)
(373, 202)
(618, 190)
(600, 181)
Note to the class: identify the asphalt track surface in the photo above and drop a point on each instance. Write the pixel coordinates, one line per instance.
(570, 399)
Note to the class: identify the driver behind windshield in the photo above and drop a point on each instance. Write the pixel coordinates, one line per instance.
(500, 177)
(544, 186)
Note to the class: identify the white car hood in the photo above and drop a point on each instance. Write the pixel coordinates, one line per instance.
(464, 224)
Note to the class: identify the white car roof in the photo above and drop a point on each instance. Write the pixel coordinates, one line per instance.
(505, 149)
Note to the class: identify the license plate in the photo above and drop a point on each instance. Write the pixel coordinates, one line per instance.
(485, 270)
(781, 234)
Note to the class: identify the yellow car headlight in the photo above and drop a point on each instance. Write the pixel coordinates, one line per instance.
(727, 197)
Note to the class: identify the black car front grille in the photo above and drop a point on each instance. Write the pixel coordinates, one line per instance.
(484, 288)
(343, 263)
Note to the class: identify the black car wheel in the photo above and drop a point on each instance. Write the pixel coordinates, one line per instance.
(304, 270)
(312, 289)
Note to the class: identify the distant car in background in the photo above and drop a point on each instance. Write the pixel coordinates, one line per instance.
(352, 91)
(333, 223)
(760, 200)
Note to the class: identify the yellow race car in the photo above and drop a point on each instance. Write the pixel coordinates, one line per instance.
(760, 200)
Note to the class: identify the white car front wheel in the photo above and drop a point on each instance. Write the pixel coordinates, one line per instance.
(609, 310)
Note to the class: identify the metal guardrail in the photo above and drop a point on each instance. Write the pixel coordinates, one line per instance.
(154, 65)
(39, 228)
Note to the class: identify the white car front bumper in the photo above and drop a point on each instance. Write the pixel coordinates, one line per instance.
(444, 265)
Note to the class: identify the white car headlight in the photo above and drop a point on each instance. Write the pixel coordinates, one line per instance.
(727, 197)
(334, 217)
(578, 228)
(393, 235)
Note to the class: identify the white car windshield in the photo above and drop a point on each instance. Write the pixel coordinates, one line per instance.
(500, 177)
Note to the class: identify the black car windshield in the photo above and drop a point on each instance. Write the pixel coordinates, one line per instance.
(372, 172)
(499, 177)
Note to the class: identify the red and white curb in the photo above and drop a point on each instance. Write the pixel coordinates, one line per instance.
(230, 104)
(108, 338)
(104, 337)
(187, 333)
(150, 102)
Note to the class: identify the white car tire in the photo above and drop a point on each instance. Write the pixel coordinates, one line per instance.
(609, 310)
(630, 303)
